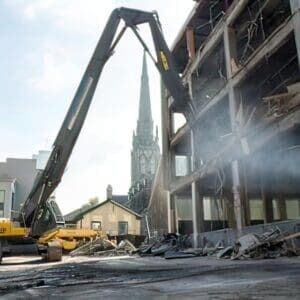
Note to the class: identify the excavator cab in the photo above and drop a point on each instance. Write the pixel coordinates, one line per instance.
(49, 217)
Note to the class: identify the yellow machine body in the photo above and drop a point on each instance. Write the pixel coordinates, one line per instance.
(68, 239)
(53, 242)
(9, 229)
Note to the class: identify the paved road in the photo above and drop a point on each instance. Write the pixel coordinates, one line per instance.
(150, 277)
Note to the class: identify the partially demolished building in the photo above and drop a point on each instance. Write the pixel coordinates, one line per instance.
(238, 163)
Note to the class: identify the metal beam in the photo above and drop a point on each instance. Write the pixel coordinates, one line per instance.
(295, 8)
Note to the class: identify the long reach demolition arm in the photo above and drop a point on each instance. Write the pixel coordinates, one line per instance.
(36, 213)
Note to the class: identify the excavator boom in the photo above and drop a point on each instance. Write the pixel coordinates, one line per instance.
(35, 213)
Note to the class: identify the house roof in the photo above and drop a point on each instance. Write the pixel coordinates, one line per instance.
(77, 214)
(122, 199)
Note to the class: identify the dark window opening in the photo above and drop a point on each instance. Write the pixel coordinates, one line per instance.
(96, 225)
(123, 228)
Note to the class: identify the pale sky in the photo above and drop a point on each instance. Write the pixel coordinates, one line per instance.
(45, 48)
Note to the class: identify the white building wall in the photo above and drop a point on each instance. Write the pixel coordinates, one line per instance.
(7, 188)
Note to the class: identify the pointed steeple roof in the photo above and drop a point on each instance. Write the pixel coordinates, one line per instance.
(145, 122)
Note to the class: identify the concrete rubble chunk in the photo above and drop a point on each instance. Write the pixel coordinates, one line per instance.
(97, 245)
(172, 254)
(127, 246)
(270, 244)
(104, 247)
(225, 253)
(169, 245)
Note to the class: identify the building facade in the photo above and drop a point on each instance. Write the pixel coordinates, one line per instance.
(17, 176)
(145, 149)
(235, 164)
(16, 180)
(109, 216)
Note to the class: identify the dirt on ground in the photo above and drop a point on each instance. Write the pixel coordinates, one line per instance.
(134, 277)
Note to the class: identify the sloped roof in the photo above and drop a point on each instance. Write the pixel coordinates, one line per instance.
(77, 214)
(122, 199)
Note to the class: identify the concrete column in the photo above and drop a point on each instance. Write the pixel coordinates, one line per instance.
(237, 199)
(165, 129)
(169, 212)
(197, 213)
(267, 197)
(244, 194)
(239, 207)
(267, 208)
(267, 204)
(197, 201)
(230, 213)
(230, 53)
(295, 8)
(281, 208)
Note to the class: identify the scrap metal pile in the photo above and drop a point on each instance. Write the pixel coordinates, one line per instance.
(270, 244)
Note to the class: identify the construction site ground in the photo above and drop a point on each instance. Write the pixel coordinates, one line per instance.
(149, 277)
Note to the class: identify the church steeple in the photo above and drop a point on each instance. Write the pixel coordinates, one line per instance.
(144, 128)
(145, 147)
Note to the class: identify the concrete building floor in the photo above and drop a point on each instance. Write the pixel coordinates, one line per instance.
(149, 277)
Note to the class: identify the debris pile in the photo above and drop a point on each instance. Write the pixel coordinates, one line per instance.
(105, 247)
(170, 246)
(270, 244)
(135, 239)
(267, 245)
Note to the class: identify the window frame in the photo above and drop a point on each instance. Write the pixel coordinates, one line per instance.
(96, 222)
(119, 227)
(2, 202)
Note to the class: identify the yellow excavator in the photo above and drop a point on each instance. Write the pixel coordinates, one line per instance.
(50, 245)
(40, 218)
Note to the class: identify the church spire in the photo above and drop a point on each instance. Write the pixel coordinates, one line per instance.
(145, 122)
(145, 147)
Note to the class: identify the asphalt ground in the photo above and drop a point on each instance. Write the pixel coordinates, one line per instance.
(149, 278)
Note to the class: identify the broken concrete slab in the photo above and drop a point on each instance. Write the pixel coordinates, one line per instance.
(225, 253)
(127, 246)
(172, 254)
(161, 249)
(99, 244)
(270, 244)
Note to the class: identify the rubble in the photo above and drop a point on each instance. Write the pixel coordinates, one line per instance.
(225, 253)
(171, 254)
(170, 246)
(105, 247)
(270, 244)
(266, 245)
(97, 245)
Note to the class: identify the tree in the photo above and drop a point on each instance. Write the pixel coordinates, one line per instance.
(93, 201)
